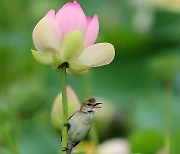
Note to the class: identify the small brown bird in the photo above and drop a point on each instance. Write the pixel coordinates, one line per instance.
(79, 123)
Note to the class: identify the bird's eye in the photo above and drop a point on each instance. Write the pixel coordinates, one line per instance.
(89, 104)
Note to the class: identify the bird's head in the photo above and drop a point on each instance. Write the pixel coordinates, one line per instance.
(90, 105)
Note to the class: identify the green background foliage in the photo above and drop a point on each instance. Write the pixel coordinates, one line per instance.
(147, 56)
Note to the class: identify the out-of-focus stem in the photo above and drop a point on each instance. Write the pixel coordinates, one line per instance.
(94, 135)
(88, 91)
(168, 117)
(88, 84)
(65, 106)
(10, 140)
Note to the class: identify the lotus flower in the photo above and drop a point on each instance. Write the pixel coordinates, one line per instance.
(69, 36)
(73, 105)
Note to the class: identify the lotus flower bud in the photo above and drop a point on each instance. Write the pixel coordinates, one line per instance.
(73, 105)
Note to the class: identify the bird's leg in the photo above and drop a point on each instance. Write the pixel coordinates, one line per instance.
(67, 125)
(65, 149)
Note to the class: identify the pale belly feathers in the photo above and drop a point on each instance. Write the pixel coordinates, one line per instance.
(79, 126)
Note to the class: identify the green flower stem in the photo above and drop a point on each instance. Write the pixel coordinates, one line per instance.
(168, 117)
(65, 106)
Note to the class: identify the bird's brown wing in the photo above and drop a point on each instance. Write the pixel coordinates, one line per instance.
(75, 144)
(72, 115)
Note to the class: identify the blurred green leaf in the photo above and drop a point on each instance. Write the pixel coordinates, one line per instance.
(146, 142)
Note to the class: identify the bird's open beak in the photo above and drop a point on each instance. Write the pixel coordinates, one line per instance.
(97, 105)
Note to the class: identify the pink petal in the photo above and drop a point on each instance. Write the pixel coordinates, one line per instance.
(88, 19)
(51, 14)
(71, 17)
(92, 31)
(117, 145)
(72, 96)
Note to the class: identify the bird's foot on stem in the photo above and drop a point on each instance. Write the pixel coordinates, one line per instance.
(65, 149)
(67, 125)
